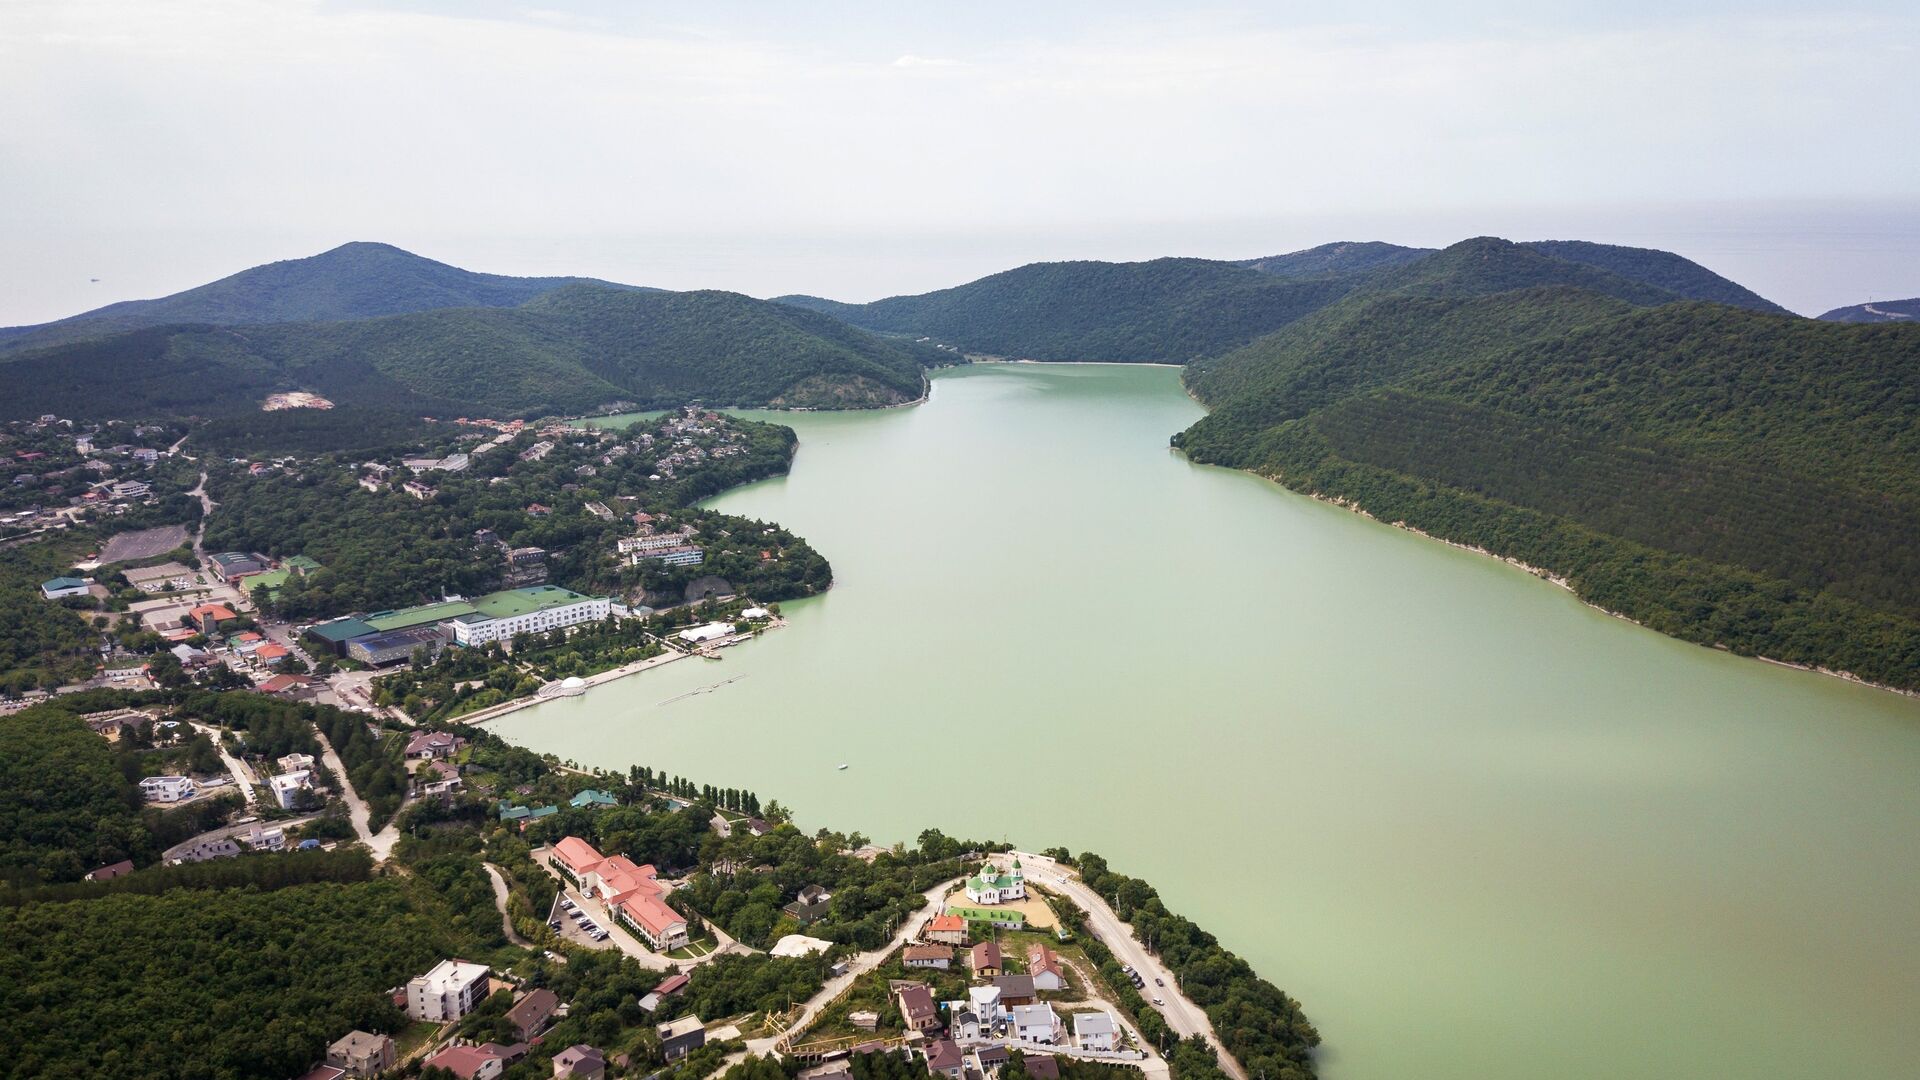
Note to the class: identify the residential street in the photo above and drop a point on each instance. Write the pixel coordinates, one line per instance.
(857, 966)
(500, 901)
(358, 812)
(1182, 1014)
(242, 775)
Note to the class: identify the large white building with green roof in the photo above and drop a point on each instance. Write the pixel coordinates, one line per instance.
(499, 616)
(991, 886)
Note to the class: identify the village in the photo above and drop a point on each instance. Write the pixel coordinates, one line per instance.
(159, 590)
(1040, 1007)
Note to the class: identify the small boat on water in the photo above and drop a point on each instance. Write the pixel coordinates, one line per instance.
(843, 766)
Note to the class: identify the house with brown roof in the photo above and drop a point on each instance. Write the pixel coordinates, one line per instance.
(111, 871)
(1044, 968)
(579, 1062)
(945, 1059)
(1042, 1067)
(1014, 989)
(985, 959)
(533, 1013)
(470, 1062)
(917, 1010)
(361, 1053)
(939, 957)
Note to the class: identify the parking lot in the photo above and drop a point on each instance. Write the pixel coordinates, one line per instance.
(572, 921)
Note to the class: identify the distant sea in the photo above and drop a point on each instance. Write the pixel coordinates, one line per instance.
(1807, 256)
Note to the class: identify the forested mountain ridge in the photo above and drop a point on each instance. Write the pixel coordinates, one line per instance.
(1907, 311)
(353, 281)
(567, 350)
(1162, 311)
(1662, 269)
(1181, 310)
(1343, 257)
(1723, 475)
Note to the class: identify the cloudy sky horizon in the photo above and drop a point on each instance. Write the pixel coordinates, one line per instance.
(858, 150)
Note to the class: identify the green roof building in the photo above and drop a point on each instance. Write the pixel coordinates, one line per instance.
(336, 633)
(424, 615)
(499, 616)
(590, 797)
(990, 886)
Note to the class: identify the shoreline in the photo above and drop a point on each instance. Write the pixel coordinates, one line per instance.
(1558, 580)
(494, 712)
(1074, 363)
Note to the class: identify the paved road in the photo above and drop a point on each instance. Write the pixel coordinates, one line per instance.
(1181, 1013)
(224, 831)
(358, 812)
(856, 967)
(500, 901)
(242, 775)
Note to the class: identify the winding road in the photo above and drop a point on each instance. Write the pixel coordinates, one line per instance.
(500, 901)
(1181, 1013)
(856, 967)
(381, 843)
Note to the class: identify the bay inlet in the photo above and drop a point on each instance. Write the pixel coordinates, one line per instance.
(1478, 828)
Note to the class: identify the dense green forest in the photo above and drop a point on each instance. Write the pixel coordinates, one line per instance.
(65, 805)
(1723, 475)
(566, 351)
(230, 984)
(1163, 311)
(352, 281)
(1177, 310)
(1336, 258)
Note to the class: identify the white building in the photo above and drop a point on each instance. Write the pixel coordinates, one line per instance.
(448, 992)
(709, 632)
(167, 788)
(499, 616)
(288, 786)
(990, 886)
(294, 762)
(259, 839)
(1037, 1024)
(1095, 1031)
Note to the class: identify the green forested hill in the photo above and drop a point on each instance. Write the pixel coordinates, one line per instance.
(1906, 311)
(1723, 475)
(568, 350)
(1164, 311)
(352, 281)
(1344, 257)
(1177, 310)
(1662, 269)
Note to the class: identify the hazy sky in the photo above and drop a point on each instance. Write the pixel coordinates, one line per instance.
(857, 150)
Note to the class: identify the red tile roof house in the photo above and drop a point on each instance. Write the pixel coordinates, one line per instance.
(270, 652)
(916, 1009)
(947, 929)
(634, 894)
(470, 1062)
(1043, 964)
(210, 617)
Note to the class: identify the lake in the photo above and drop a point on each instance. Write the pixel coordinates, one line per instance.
(1479, 829)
